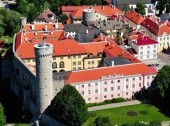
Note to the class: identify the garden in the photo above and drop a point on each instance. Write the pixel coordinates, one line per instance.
(128, 114)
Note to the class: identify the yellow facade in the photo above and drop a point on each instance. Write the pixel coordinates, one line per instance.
(71, 62)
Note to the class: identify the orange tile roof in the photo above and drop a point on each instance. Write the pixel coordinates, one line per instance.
(95, 74)
(94, 47)
(104, 10)
(41, 26)
(61, 47)
(134, 17)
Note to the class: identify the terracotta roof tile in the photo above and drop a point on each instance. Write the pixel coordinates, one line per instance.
(134, 17)
(95, 74)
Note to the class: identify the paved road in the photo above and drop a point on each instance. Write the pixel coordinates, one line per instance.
(114, 105)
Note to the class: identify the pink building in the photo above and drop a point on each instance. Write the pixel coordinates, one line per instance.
(99, 84)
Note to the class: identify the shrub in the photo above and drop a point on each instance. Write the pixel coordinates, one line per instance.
(117, 100)
(143, 112)
(92, 114)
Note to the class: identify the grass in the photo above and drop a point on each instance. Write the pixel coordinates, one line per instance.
(118, 115)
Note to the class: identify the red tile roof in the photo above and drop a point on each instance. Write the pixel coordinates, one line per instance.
(94, 47)
(142, 39)
(42, 26)
(61, 48)
(104, 10)
(134, 17)
(95, 74)
(157, 28)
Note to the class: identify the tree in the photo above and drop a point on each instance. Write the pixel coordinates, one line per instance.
(162, 4)
(102, 121)
(2, 116)
(69, 107)
(140, 8)
(155, 123)
(62, 18)
(1, 31)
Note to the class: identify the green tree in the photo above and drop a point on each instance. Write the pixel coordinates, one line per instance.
(62, 18)
(44, 6)
(102, 121)
(155, 123)
(69, 107)
(162, 4)
(2, 116)
(140, 8)
(1, 31)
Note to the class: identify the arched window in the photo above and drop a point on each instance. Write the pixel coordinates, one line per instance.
(54, 65)
(61, 64)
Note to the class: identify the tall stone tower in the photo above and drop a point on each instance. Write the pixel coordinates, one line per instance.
(43, 56)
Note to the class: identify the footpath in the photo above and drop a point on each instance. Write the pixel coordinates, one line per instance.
(114, 105)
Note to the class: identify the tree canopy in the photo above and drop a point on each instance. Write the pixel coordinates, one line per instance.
(140, 8)
(69, 107)
(162, 4)
(2, 116)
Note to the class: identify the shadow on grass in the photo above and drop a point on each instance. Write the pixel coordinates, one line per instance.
(11, 103)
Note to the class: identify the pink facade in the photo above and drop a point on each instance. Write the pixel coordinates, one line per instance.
(113, 87)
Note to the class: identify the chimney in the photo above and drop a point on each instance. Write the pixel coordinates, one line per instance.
(23, 21)
(33, 27)
(113, 63)
(87, 31)
(103, 7)
(46, 27)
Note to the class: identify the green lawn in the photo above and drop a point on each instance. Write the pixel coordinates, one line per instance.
(118, 115)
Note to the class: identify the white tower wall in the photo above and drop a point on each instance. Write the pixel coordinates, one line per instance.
(44, 81)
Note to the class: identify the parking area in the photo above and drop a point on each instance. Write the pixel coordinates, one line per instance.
(163, 59)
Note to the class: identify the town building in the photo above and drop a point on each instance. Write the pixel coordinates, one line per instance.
(6, 3)
(158, 31)
(76, 13)
(134, 19)
(46, 16)
(143, 47)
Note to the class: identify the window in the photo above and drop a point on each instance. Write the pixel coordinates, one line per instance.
(112, 96)
(89, 62)
(148, 83)
(96, 84)
(96, 91)
(112, 82)
(140, 78)
(133, 85)
(74, 68)
(61, 58)
(69, 57)
(89, 91)
(147, 56)
(54, 65)
(148, 52)
(74, 63)
(96, 98)
(154, 55)
(112, 88)
(118, 95)
(148, 47)
(79, 62)
(82, 86)
(118, 87)
(79, 56)
(61, 64)
(141, 47)
(54, 58)
(126, 93)
(127, 86)
(153, 77)
(133, 79)
(74, 57)
(82, 92)
(148, 77)
(105, 82)
(105, 96)
(92, 62)
(141, 57)
(105, 89)
(141, 53)
(154, 46)
(79, 68)
(127, 80)
(89, 99)
(118, 81)
(139, 84)
(28, 60)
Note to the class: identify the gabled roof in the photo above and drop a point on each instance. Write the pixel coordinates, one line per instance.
(94, 47)
(98, 73)
(106, 10)
(61, 48)
(157, 28)
(42, 26)
(134, 17)
(142, 39)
